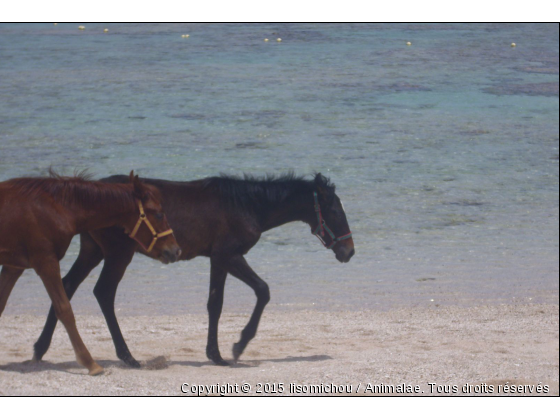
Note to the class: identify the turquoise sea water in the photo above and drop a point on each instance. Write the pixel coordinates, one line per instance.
(445, 152)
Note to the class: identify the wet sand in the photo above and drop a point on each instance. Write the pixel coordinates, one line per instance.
(310, 353)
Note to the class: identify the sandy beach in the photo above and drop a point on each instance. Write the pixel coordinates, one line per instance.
(441, 138)
(418, 351)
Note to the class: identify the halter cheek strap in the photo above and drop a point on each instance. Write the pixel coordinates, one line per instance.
(144, 219)
(322, 227)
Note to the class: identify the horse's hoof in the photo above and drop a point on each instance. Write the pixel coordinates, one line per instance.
(131, 361)
(38, 354)
(220, 362)
(215, 356)
(95, 370)
(237, 350)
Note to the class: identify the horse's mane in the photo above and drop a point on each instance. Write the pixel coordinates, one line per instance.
(252, 192)
(76, 190)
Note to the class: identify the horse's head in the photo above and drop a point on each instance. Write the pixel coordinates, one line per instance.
(330, 224)
(149, 225)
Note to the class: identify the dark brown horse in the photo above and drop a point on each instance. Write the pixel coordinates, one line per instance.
(221, 218)
(39, 217)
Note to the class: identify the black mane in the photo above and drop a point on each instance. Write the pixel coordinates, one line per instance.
(252, 192)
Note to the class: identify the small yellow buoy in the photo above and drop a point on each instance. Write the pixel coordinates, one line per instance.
(409, 43)
(266, 40)
(81, 28)
(105, 30)
(279, 39)
(55, 24)
(513, 44)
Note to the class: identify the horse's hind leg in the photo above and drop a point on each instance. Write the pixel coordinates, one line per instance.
(90, 256)
(49, 271)
(8, 278)
(215, 302)
(238, 267)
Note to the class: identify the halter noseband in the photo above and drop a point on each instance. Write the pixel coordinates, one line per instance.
(322, 227)
(144, 219)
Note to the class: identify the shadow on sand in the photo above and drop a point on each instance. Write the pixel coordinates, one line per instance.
(73, 368)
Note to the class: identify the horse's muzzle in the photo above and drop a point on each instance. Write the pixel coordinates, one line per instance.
(171, 255)
(344, 254)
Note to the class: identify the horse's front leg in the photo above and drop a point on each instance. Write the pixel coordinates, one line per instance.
(215, 302)
(49, 271)
(238, 267)
(90, 256)
(8, 278)
(105, 291)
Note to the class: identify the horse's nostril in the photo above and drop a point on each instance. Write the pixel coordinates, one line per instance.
(178, 252)
(171, 255)
(351, 254)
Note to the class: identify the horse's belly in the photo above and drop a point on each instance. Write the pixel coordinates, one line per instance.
(13, 258)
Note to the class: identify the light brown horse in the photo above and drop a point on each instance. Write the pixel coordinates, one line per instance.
(39, 217)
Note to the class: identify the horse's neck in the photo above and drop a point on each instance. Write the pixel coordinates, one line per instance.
(297, 208)
(99, 215)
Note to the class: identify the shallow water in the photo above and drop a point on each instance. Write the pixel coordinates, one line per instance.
(445, 152)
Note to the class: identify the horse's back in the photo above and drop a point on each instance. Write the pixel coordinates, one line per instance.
(30, 222)
(199, 216)
(13, 205)
(15, 218)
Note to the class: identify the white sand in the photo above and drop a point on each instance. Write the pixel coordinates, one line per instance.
(485, 346)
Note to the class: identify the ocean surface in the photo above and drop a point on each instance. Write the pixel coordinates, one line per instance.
(444, 151)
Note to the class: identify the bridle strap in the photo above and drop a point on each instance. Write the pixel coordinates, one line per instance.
(144, 219)
(322, 227)
(319, 215)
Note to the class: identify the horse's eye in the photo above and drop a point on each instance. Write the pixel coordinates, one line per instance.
(159, 216)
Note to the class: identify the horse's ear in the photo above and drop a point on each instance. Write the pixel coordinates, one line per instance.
(139, 188)
(323, 187)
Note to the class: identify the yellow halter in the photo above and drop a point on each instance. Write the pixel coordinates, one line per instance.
(144, 219)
